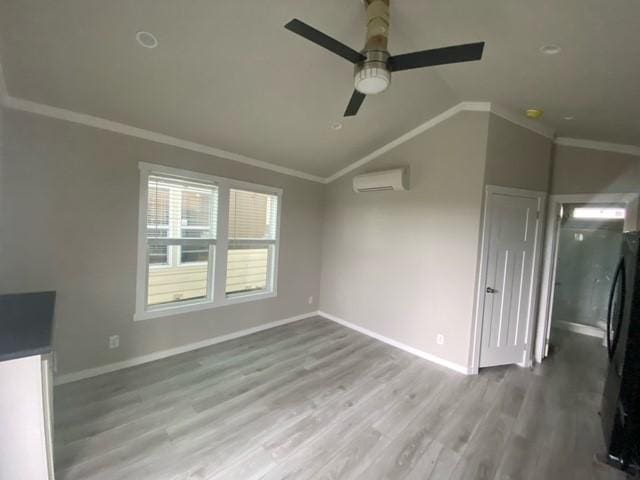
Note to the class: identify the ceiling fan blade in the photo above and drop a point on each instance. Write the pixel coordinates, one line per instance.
(319, 38)
(437, 56)
(354, 104)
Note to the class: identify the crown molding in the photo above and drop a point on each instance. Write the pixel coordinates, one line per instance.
(595, 145)
(20, 104)
(124, 129)
(447, 114)
(101, 123)
(534, 125)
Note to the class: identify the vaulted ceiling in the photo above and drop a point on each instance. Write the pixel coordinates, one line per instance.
(227, 74)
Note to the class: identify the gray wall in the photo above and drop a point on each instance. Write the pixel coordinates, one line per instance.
(517, 157)
(69, 222)
(581, 170)
(403, 264)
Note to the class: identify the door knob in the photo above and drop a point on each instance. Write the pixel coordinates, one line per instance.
(491, 290)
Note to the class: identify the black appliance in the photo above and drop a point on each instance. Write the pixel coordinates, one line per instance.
(620, 409)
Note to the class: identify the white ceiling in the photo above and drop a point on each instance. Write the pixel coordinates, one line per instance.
(227, 74)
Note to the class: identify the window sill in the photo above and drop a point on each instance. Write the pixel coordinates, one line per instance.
(196, 307)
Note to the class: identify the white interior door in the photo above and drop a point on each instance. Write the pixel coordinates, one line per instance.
(509, 251)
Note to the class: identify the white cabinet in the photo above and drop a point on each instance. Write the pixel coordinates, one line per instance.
(26, 419)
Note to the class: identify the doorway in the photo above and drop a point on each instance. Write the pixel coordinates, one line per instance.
(582, 246)
(507, 283)
(589, 247)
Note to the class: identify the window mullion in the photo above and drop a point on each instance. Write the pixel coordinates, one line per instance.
(222, 244)
(175, 213)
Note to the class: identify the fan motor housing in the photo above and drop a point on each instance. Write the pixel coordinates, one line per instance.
(372, 76)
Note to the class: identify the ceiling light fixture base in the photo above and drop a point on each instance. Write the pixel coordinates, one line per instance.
(550, 49)
(373, 75)
(147, 39)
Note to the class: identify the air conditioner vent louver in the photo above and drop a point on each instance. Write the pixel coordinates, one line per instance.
(396, 179)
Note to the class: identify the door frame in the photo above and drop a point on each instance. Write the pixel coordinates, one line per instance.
(482, 273)
(550, 255)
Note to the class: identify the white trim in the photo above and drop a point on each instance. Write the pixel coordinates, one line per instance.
(550, 256)
(112, 367)
(142, 271)
(482, 274)
(394, 343)
(447, 114)
(518, 119)
(580, 328)
(101, 123)
(596, 145)
(548, 273)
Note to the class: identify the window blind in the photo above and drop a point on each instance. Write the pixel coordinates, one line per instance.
(181, 236)
(186, 209)
(252, 236)
(183, 265)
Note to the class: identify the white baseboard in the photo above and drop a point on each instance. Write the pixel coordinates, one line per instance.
(579, 328)
(112, 367)
(394, 343)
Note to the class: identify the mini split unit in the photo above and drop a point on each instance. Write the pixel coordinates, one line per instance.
(396, 179)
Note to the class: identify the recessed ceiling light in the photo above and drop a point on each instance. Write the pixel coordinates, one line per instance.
(568, 117)
(147, 39)
(533, 113)
(550, 49)
(336, 126)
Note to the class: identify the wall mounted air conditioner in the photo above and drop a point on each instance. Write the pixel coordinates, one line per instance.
(396, 179)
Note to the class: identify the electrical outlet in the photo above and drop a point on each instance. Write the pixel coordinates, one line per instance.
(114, 341)
(310, 301)
(440, 339)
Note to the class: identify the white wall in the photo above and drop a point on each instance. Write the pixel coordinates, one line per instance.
(403, 264)
(582, 170)
(517, 157)
(69, 196)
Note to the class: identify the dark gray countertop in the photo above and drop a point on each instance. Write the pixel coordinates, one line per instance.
(26, 324)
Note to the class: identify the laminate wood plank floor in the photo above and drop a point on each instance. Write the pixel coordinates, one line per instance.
(315, 400)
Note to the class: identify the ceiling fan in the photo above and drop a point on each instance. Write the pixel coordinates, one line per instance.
(374, 64)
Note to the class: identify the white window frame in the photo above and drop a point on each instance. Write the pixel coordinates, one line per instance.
(216, 296)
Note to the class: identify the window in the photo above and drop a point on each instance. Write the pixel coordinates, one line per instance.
(172, 204)
(252, 238)
(179, 250)
(594, 213)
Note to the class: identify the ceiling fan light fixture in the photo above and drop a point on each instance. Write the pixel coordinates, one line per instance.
(372, 80)
(374, 64)
(372, 76)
